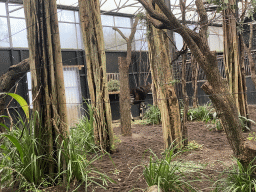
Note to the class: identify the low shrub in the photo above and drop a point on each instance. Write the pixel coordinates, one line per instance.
(113, 85)
(152, 115)
(201, 113)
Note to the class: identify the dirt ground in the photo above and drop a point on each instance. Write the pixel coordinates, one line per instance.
(126, 164)
(133, 153)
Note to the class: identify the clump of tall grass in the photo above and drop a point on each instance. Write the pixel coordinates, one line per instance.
(83, 132)
(239, 178)
(201, 113)
(152, 115)
(166, 173)
(21, 162)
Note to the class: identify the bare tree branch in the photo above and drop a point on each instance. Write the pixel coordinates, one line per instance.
(121, 33)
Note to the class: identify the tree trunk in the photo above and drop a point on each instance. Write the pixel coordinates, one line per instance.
(47, 78)
(8, 80)
(91, 27)
(124, 81)
(185, 100)
(216, 87)
(152, 61)
(183, 79)
(162, 78)
(124, 96)
(233, 59)
(195, 67)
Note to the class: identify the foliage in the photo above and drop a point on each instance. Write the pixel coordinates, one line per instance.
(252, 136)
(152, 115)
(218, 126)
(240, 178)
(83, 133)
(113, 85)
(21, 163)
(193, 145)
(21, 101)
(20, 158)
(166, 173)
(201, 113)
(115, 143)
(215, 123)
(79, 166)
(244, 122)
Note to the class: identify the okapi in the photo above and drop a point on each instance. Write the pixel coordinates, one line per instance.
(138, 96)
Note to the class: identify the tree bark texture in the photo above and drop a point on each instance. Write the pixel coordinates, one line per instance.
(124, 81)
(162, 79)
(91, 27)
(233, 59)
(216, 87)
(8, 80)
(47, 77)
(124, 96)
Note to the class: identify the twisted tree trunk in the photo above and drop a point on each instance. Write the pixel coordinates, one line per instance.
(216, 86)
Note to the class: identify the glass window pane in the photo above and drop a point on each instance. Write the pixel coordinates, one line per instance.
(68, 36)
(109, 38)
(121, 43)
(107, 20)
(179, 41)
(65, 15)
(2, 9)
(4, 36)
(122, 22)
(77, 17)
(80, 43)
(19, 33)
(141, 40)
(16, 10)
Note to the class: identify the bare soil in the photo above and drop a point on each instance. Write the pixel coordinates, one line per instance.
(125, 166)
(133, 153)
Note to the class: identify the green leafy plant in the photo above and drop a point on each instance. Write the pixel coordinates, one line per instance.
(218, 126)
(244, 122)
(201, 113)
(20, 162)
(252, 136)
(240, 178)
(113, 85)
(79, 166)
(83, 133)
(166, 173)
(193, 145)
(152, 115)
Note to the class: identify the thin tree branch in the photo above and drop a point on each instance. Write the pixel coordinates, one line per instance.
(121, 33)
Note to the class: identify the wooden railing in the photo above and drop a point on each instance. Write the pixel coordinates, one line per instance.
(112, 76)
